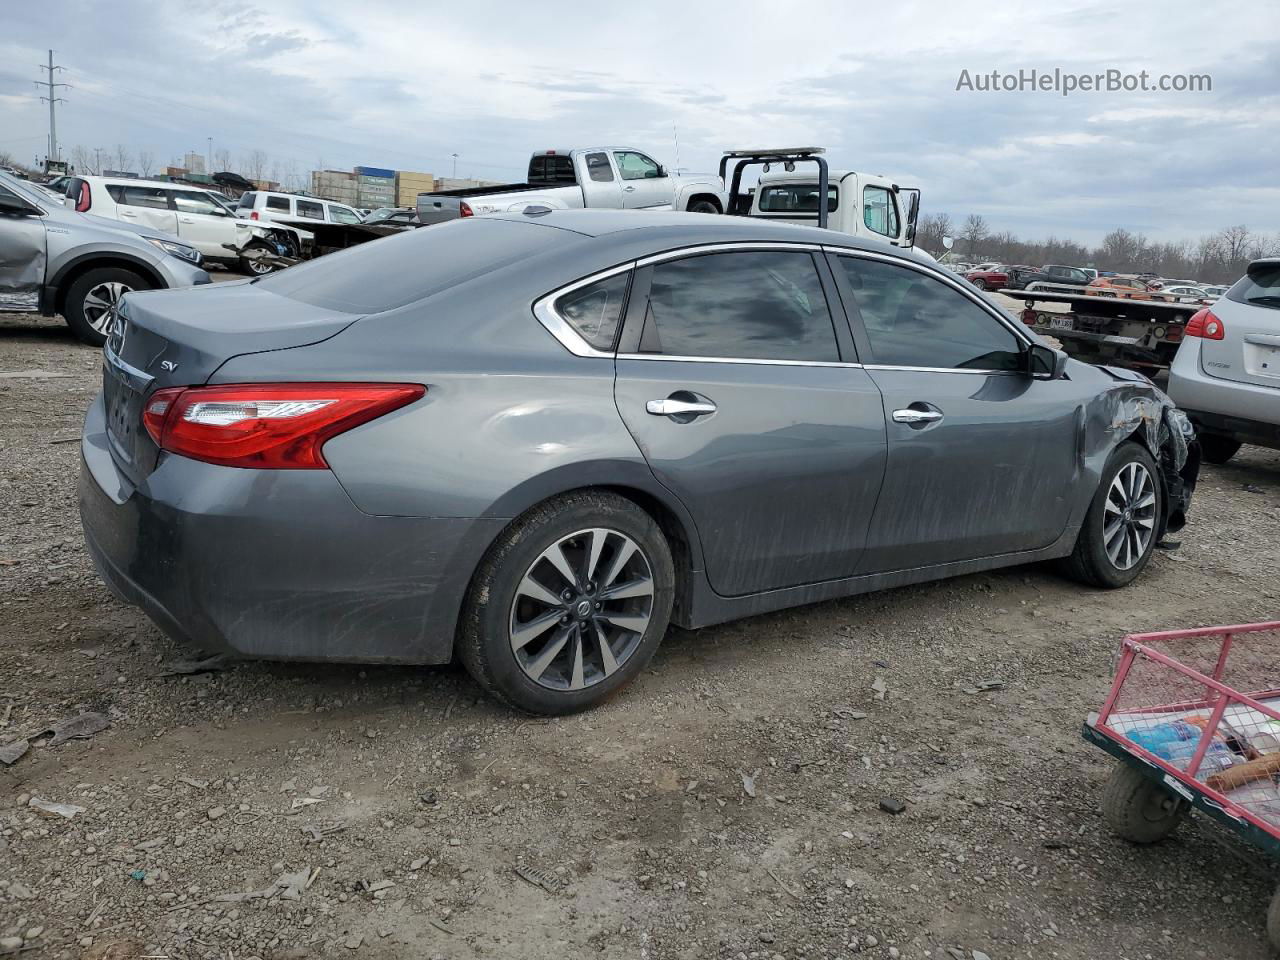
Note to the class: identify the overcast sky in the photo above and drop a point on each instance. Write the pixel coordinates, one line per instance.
(406, 85)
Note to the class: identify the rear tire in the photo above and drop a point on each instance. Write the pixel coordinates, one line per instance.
(580, 656)
(91, 300)
(1114, 544)
(980, 284)
(1139, 810)
(703, 206)
(1217, 449)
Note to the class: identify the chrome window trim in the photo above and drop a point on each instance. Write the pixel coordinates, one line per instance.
(904, 369)
(937, 274)
(726, 246)
(751, 360)
(545, 310)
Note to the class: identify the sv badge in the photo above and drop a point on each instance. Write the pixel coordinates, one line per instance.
(168, 365)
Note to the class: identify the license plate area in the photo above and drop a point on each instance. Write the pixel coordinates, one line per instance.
(1062, 323)
(123, 391)
(1262, 360)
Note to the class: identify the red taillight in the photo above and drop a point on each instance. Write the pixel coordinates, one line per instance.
(1205, 324)
(1029, 317)
(82, 199)
(464, 210)
(267, 426)
(253, 215)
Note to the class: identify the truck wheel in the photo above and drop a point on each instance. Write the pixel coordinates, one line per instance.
(1216, 448)
(1139, 810)
(1119, 531)
(703, 206)
(91, 301)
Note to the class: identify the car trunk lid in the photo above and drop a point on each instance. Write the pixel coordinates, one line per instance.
(1249, 351)
(176, 338)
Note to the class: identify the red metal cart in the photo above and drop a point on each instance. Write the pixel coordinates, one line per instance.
(1194, 718)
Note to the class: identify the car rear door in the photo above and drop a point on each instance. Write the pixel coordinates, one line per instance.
(981, 456)
(748, 405)
(144, 206)
(1249, 316)
(203, 224)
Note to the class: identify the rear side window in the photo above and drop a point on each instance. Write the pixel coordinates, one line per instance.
(310, 209)
(913, 320)
(599, 169)
(279, 203)
(1259, 286)
(796, 198)
(595, 311)
(153, 197)
(765, 305)
(247, 201)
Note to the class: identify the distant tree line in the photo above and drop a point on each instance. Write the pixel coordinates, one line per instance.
(1217, 258)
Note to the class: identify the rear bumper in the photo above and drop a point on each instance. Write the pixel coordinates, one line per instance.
(275, 564)
(1225, 407)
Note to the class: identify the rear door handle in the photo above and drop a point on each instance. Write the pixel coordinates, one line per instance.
(909, 415)
(187, 220)
(679, 408)
(629, 189)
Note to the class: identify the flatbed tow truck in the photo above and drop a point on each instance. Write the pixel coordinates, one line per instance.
(1142, 334)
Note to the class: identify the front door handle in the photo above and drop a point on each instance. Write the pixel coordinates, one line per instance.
(910, 415)
(187, 220)
(679, 408)
(629, 189)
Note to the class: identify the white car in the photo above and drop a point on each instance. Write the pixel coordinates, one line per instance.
(1226, 374)
(1185, 292)
(192, 214)
(292, 209)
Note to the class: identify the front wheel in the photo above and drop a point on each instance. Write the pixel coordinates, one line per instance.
(1217, 449)
(569, 604)
(252, 260)
(1119, 532)
(90, 306)
(1138, 809)
(980, 284)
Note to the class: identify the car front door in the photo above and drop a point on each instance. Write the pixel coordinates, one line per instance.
(22, 253)
(203, 223)
(644, 183)
(144, 207)
(745, 399)
(981, 455)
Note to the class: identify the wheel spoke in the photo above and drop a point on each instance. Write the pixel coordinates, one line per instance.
(633, 622)
(642, 587)
(1145, 502)
(93, 300)
(1117, 491)
(1111, 507)
(539, 666)
(576, 678)
(526, 633)
(607, 662)
(1145, 522)
(555, 556)
(625, 552)
(1110, 529)
(598, 538)
(530, 587)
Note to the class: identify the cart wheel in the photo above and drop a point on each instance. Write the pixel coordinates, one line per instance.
(1140, 810)
(1273, 922)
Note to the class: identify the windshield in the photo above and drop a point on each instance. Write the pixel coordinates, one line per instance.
(796, 198)
(1260, 285)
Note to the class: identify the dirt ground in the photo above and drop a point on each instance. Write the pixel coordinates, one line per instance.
(384, 811)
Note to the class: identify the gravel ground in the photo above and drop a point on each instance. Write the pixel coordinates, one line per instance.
(384, 812)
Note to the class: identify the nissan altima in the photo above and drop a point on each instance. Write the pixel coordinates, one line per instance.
(534, 441)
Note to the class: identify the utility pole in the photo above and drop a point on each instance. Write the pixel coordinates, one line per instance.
(209, 156)
(455, 165)
(53, 99)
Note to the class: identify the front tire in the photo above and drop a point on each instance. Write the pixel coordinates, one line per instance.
(92, 298)
(569, 604)
(980, 284)
(703, 206)
(1138, 809)
(1217, 449)
(1120, 529)
(253, 266)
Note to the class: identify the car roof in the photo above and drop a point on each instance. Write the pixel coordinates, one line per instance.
(695, 228)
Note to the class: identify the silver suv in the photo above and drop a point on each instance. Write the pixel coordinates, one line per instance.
(1226, 375)
(56, 261)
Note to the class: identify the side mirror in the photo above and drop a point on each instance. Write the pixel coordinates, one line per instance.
(948, 242)
(1046, 363)
(662, 171)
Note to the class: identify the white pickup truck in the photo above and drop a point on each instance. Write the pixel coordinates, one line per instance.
(609, 177)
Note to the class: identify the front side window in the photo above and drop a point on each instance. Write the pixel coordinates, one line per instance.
(311, 210)
(595, 311)
(636, 166)
(191, 202)
(796, 198)
(155, 198)
(598, 167)
(343, 214)
(278, 203)
(879, 212)
(913, 320)
(765, 305)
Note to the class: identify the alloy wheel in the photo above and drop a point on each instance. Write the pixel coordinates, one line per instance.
(100, 304)
(1129, 519)
(581, 609)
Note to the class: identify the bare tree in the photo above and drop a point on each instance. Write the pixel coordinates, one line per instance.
(122, 158)
(933, 227)
(974, 232)
(254, 164)
(146, 163)
(221, 160)
(6, 159)
(84, 160)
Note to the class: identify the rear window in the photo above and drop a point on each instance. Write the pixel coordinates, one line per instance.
(556, 169)
(1259, 286)
(247, 200)
(373, 277)
(796, 198)
(278, 203)
(311, 209)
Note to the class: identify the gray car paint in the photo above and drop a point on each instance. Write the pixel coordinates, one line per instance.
(511, 417)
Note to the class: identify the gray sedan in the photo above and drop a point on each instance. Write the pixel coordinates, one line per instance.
(534, 441)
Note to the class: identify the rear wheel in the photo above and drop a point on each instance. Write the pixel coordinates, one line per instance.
(1119, 531)
(703, 206)
(1138, 809)
(980, 284)
(1217, 449)
(91, 301)
(569, 605)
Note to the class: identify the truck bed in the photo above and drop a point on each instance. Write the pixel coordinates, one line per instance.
(498, 188)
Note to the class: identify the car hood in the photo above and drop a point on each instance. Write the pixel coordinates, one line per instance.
(268, 225)
(128, 230)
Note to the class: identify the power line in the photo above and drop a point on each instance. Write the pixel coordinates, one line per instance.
(53, 100)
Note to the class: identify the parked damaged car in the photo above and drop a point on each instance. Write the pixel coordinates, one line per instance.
(534, 441)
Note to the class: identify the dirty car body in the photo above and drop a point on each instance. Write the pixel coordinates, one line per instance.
(743, 388)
